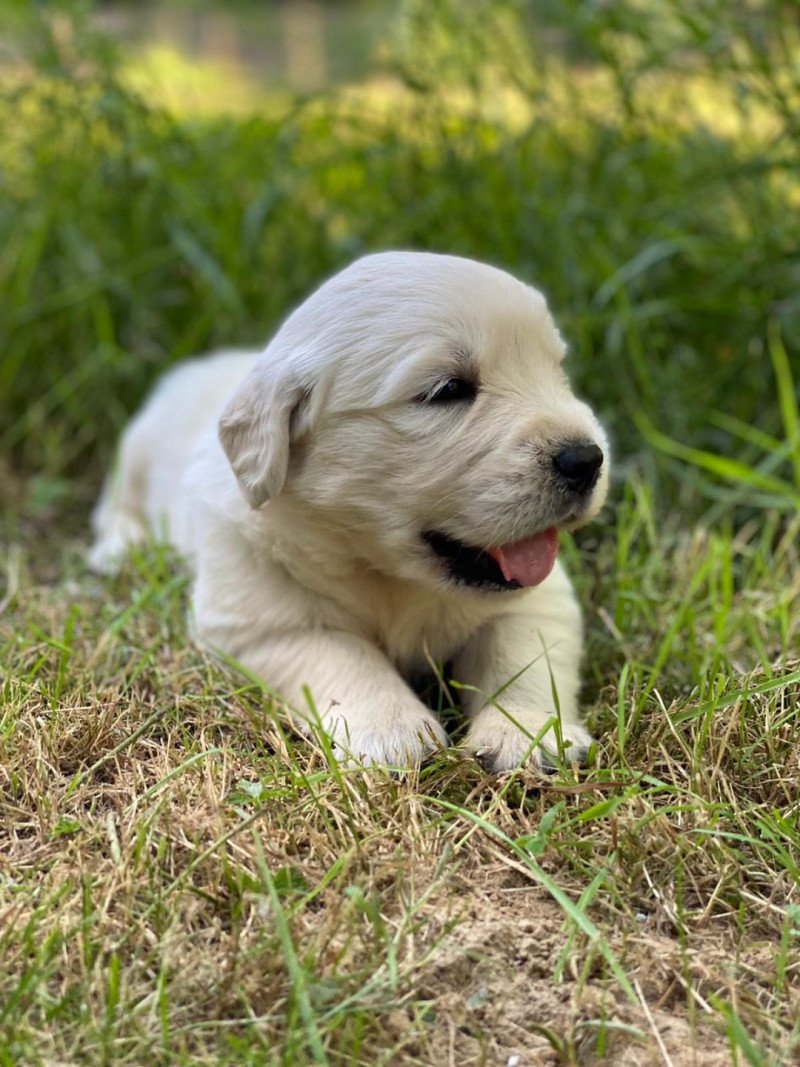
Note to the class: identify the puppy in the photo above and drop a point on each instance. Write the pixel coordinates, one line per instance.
(380, 489)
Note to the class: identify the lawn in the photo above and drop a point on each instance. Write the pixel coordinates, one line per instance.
(183, 880)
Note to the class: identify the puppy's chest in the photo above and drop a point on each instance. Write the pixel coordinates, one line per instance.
(415, 634)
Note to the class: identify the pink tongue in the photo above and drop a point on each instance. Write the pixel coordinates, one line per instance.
(529, 561)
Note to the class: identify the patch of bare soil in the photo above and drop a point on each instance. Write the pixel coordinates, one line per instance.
(494, 999)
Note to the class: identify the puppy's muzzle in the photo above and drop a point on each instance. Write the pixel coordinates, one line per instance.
(577, 466)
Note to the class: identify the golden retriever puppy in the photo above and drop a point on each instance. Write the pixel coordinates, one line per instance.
(382, 487)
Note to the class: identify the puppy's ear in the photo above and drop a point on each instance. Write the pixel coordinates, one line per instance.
(255, 431)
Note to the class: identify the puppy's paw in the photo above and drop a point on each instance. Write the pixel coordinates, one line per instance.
(402, 740)
(118, 533)
(499, 744)
(106, 555)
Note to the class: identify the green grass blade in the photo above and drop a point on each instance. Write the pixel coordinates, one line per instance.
(787, 397)
(296, 972)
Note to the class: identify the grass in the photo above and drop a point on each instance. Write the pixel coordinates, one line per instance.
(184, 877)
(182, 880)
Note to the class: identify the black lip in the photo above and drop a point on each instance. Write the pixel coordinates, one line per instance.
(467, 564)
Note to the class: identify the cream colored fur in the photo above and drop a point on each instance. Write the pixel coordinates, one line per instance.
(298, 483)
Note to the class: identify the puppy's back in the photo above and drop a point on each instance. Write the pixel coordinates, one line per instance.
(140, 497)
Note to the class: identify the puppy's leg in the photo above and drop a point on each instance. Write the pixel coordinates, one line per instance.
(524, 668)
(119, 519)
(360, 700)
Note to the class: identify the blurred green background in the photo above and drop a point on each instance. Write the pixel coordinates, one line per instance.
(175, 176)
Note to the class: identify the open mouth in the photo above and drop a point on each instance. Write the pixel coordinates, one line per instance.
(515, 565)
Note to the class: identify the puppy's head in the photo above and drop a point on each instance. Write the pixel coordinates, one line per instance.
(416, 406)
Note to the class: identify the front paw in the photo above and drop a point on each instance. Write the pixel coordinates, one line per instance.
(502, 741)
(402, 739)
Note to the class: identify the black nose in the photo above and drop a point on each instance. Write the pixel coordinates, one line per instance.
(579, 466)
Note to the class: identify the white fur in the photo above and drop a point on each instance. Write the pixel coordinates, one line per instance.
(298, 483)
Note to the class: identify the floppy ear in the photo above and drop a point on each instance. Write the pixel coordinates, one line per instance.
(255, 431)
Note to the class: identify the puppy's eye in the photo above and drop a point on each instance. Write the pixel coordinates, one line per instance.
(452, 390)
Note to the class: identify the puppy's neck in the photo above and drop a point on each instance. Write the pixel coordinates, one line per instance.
(411, 621)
